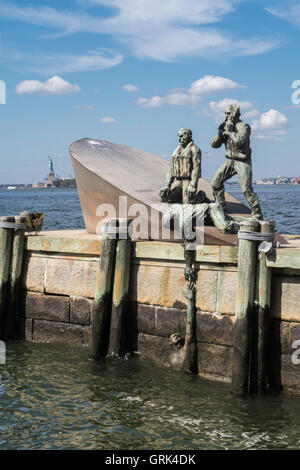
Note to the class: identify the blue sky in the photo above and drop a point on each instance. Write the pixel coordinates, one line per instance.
(135, 71)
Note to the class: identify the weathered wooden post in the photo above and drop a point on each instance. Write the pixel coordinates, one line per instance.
(189, 362)
(120, 290)
(263, 303)
(6, 240)
(15, 277)
(103, 292)
(189, 218)
(244, 306)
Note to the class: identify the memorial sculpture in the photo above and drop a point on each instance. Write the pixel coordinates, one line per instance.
(235, 135)
(106, 172)
(185, 170)
(181, 188)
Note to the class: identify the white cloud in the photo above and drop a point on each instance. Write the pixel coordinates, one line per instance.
(66, 63)
(192, 11)
(206, 85)
(217, 108)
(272, 119)
(210, 84)
(174, 99)
(290, 12)
(108, 120)
(130, 88)
(152, 29)
(54, 86)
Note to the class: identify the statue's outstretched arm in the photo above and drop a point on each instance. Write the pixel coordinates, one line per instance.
(217, 142)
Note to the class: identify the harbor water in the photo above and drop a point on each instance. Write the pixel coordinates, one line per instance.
(53, 397)
(63, 210)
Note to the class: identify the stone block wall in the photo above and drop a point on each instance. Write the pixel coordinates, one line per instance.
(57, 318)
(158, 317)
(59, 291)
(58, 301)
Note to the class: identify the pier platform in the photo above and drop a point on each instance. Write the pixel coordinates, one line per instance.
(59, 281)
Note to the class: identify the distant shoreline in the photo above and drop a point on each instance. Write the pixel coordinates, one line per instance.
(280, 184)
(26, 188)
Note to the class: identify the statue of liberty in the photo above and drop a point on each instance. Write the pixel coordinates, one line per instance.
(51, 167)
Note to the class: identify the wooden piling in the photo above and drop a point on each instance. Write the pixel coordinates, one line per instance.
(244, 308)
(189, 363)
(190, 356)
(120, 291)
(263, 301)
(13, 300)
(6, 240)
(103, 293)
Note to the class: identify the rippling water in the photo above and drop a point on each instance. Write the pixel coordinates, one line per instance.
(63, 210)
(62, 206)
(278, 202)
(52, 397)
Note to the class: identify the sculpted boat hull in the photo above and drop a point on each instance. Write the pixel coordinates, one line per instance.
(104, 171)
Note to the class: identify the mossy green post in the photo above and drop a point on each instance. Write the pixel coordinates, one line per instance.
(13, 300)
(244, 309)
(120, 291)
(103, 294)
(6, 240)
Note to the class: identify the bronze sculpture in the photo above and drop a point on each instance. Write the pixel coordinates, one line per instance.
(185, 170)
(235, 135)
(181, 187)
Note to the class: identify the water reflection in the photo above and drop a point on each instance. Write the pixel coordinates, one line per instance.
(52, 397)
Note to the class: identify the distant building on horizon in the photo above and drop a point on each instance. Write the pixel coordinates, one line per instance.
(279, 180)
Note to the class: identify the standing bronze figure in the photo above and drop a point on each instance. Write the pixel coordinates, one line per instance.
(185, 170)
(235, 135)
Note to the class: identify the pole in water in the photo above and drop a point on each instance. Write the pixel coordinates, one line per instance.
(244, 309)
(103, 292)
(189, 363)
(14, 292)
(120, 290)
(6, 240)
(263, 304)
